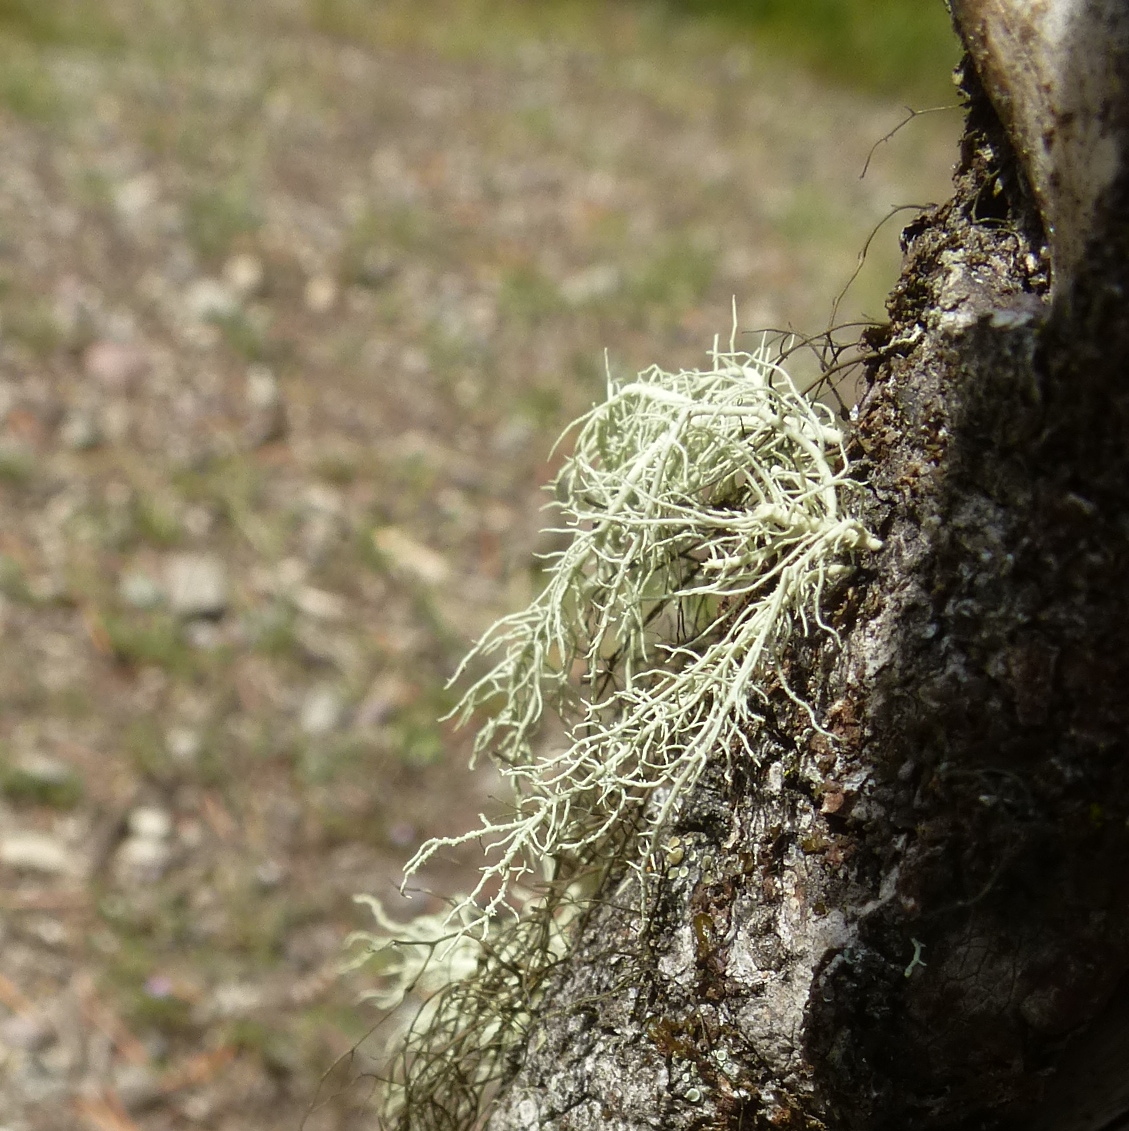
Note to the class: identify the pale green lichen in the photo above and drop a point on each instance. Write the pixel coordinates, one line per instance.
(413, 955)
(705, 511)
(480, 995)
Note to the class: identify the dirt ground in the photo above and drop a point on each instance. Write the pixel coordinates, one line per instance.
(294, 298)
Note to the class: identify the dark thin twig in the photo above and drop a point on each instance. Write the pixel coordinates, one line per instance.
(866, 250)
(910, 115)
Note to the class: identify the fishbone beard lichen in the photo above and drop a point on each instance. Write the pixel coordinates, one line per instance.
(705, 516)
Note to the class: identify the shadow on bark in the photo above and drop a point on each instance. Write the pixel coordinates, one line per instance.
(997, 730)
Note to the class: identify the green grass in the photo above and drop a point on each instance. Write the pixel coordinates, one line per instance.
(245, 335)
(13, 580)
(894, 46)
(541, 404)
(418, 739)
(902, 47)
(381, 236)
(272, 630)
(528, 296)
(69, 22)
(27, 28)
(155, 522)
(169, 1016)
(278, 1052)
(219, 216)
(678, 276)
(30, 320)
(26, 87)
(22, 786)
(17, 467)
(143, 639)
(337, 465)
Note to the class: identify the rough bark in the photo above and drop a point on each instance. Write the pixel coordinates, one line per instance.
(925, 923)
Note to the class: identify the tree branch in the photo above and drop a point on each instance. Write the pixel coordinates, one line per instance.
(1056, 71)
(923, 922)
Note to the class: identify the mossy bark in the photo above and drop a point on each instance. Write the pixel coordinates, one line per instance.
(924, 923)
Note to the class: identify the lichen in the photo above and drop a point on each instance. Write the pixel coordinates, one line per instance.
(705, 515)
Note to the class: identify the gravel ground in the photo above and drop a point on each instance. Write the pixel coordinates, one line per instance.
(293, 299)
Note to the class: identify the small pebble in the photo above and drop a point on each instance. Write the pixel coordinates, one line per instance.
(198, 1107)
(197, 585)
(321, 711)
(142, 860)
(407, 556)
(139, 590)
(48, 931)
(244, 274)
(321, 294)
(182, 744)
(147, 822)
(593, 283)
(269, 874)
(136, 196)
(204, 635)
(262, 388)
(319, 604)
(159, 986)
(236, 999)
(28, 1032)
(43, 770)
(208, 299)
(137, 1086)
(37, 852)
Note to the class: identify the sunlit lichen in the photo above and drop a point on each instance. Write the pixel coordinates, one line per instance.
(705, 515)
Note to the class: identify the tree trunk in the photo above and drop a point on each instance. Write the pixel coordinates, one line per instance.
(924, 923)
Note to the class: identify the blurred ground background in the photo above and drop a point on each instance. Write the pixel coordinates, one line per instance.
(294, 297)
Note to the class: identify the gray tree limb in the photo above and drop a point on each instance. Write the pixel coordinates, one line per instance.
(925, 923)
(1054, 71)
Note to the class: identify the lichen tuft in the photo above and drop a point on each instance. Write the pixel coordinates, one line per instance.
(705, 515)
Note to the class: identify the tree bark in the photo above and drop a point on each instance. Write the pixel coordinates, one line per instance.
(923, 923)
